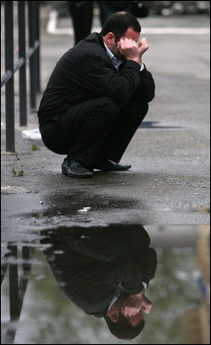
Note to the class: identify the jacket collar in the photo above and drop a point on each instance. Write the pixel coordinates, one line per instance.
(95, 37)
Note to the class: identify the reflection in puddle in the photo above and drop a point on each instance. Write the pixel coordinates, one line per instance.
(105, 273)
(98, 268)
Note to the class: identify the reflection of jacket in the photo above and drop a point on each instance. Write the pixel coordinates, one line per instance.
(90, 264)
(85, 72)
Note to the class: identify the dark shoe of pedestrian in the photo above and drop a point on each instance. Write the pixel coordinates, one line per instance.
(108, 165)
(73, 168)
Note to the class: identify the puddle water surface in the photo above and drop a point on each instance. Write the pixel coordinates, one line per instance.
(59, 289)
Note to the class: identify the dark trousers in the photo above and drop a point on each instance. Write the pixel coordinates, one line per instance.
(94, 130)
(107, 8)
(82, 16)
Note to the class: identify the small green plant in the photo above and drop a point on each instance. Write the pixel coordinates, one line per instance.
(17, 173)
(16, 155)
(34, 147)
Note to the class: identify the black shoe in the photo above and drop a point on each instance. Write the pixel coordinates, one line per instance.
(108, 165)
(75, 169)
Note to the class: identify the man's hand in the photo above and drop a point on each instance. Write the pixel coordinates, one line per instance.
(143, 46)
(129, 49)
(132, 50)
(132, 305)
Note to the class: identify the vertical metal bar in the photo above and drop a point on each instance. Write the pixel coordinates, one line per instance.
(32, 67)
(9, 87)
(13, 295)
(13, 279)
(37, 53)
(26, 255)
(17, 287)
(22, 71)
(3, 271)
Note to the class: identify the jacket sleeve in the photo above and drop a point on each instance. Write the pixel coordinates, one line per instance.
(146, 90)
(128, 274)
(101, 79)
(150, 264)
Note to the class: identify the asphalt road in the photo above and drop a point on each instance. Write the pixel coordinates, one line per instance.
(169, 182)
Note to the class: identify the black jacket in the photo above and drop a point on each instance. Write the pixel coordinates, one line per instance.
(90, 263)
(85, 72)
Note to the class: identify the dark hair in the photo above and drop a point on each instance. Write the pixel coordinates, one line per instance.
(119, 23)
(122, 329)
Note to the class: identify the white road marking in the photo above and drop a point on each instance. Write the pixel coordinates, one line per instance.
(53, 20)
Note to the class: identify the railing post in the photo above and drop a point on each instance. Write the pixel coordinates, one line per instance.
(22, 70)
(17, 285)
(9, 87)
(32, 60)
(37, 52)
(13, 286)
(32, 55)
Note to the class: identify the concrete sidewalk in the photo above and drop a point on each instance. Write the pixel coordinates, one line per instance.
(169, 180)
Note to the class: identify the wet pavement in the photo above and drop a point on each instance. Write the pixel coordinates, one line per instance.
(167, 191)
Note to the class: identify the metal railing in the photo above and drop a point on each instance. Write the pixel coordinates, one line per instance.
(18, 263)
(28, 26)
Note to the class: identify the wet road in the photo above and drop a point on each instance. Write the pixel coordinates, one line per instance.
(167, 191)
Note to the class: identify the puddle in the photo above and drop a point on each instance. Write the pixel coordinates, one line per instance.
(53, 285)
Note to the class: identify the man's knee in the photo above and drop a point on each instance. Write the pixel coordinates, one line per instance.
(135, 110)
(106, 106)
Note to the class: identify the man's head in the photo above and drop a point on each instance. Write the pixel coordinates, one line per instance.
(130, 326)
(123, 329)
(120, 25)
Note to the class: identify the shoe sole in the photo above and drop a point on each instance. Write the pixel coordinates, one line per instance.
(110, 170)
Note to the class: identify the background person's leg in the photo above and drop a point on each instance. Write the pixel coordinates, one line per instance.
(82, 16)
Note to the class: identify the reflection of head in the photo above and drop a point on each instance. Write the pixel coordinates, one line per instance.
(122, 329)
(90, 263)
